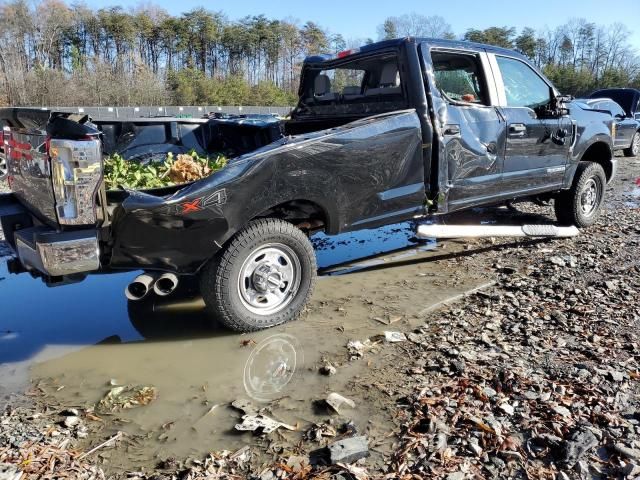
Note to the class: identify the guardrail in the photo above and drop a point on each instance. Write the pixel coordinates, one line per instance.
(164, 111)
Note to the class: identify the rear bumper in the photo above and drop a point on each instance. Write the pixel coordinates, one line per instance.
(42, 249)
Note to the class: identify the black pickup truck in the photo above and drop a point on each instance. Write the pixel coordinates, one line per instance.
(400, 129)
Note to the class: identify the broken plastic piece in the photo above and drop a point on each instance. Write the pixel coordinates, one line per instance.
(251, 423)
(395, 337)
(337, 401)
(245, 406)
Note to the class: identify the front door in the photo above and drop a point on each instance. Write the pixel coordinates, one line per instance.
(537, 148)
(471, 131)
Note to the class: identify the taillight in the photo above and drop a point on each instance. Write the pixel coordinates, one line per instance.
(346, 53)
(76, 171)
(6, 151)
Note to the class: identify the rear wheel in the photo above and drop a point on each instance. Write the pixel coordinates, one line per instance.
(581, 204)
(263, 277)
(634, 149)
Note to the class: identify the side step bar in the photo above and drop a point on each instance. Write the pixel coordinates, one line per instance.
(477, 231)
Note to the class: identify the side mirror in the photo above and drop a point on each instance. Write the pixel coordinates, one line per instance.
(619, 116)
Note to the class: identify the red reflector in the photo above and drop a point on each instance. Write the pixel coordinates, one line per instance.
(346, 53)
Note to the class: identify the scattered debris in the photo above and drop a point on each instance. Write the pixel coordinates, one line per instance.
(71, 421)
(348, 450)
(9, 472)
(580, 442)
(318, 431)
(261, 423)
(124, 397)
(630, 453)
(394, 337)
(357, 349)
(245, 406)
(337, 402)
(328, 369)
(110, 441)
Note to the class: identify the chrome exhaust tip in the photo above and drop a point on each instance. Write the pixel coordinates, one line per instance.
(140, 287)
(165, 284)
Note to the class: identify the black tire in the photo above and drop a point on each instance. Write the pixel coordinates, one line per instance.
(634, 149)
(581, 204)
(265, 252)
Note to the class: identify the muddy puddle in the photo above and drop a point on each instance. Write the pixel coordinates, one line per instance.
(75, 342)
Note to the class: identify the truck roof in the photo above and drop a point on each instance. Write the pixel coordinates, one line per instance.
(438, 42)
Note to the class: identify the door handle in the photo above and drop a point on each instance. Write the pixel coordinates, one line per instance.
(518, 128)
(452, 129)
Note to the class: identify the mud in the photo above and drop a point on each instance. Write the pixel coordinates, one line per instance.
(193, 372)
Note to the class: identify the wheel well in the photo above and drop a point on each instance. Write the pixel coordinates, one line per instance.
(600, 153)
(304, 214)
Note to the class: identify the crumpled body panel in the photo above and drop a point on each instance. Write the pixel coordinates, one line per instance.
(363, 174)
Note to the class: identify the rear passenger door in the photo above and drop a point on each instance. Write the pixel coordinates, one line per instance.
(470, 133)
(537, 148)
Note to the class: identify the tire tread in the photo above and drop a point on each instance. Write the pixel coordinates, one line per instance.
(566, 205)
(216, 281)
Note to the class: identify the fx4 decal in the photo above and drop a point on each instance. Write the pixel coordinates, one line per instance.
(215, 199)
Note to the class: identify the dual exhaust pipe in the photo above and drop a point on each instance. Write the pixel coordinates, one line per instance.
(162, 284)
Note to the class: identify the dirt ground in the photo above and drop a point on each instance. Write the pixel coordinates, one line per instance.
(531, 374)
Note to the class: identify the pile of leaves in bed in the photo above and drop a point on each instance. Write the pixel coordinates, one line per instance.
(174, 170)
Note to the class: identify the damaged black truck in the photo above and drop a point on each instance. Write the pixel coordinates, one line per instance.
(400, 129)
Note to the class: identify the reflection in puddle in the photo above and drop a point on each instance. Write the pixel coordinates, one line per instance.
(271, 367)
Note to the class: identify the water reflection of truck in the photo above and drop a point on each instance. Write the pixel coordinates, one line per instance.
(397, 130)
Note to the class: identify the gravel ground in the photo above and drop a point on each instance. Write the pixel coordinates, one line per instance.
(535, 378)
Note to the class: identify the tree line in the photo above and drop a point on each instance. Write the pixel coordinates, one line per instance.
(52, 53)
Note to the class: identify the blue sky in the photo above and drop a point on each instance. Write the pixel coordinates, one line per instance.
(359, 19)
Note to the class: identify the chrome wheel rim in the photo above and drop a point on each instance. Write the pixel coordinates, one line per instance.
(269, 279)
(635, 148)
(590, 197)
(3, 166)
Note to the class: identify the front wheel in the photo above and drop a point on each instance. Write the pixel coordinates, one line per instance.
(263, 277)
(581, 204)
(634, 148)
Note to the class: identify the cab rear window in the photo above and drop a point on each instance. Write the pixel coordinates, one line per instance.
(363, 85)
